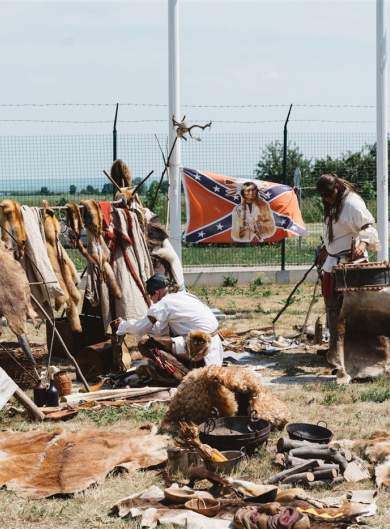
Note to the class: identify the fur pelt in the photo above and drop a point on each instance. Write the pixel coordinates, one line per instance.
(63, 267)
(163, 255)
(41, 464)
(197, 344)
(98, 253)
(377, 450)
(74, 220)
(75, 225)
(121, 174)
(222, 387)
(12, 220)
(15, 294)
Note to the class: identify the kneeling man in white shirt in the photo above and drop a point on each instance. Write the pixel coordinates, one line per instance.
(182, 332)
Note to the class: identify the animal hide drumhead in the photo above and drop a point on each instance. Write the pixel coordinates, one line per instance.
(367, 337)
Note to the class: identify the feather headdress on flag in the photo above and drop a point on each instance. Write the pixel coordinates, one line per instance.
(235, 186)
(212, 201)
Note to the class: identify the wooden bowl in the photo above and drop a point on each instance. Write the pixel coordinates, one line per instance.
(179, 494)
(205, 506)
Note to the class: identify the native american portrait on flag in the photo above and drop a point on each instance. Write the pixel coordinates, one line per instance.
(224, 210)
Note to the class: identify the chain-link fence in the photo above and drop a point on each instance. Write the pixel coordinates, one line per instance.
(60, 168)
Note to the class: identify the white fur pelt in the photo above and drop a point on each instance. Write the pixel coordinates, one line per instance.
(167, 253)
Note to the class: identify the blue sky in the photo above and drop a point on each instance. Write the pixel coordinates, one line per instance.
(232, 53)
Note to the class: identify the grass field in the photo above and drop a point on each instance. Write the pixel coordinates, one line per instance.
(350, 412)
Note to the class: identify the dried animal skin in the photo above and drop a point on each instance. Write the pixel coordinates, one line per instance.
(121, 174)
(377, 450)
(42, 464)
(11, 219)
(64, 269)
(15, 294)
(98, 253)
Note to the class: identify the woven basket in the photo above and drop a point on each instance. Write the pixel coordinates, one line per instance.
(25, 380)
(63, 383)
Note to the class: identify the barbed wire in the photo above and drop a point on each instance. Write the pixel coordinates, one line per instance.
(161, 105)
(224, 121)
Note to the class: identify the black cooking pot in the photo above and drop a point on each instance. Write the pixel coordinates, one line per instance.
(234, 433)
(314, 433)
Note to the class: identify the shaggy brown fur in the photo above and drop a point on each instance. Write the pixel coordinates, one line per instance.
(12, 220)
(98, 252)
(41, 464)
(121, 174)
(220, 387)
(377, 450)
(64, 269)
(197, 343)
(15, 295)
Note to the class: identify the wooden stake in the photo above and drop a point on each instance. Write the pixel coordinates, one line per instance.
(27, 403)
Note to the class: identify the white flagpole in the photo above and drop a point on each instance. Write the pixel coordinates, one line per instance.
(381, 132)
(174, 170)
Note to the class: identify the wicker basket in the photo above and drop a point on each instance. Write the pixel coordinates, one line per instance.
(63, 383)
(24, 378)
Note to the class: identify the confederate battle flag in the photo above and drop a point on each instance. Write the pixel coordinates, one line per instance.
(226, 210)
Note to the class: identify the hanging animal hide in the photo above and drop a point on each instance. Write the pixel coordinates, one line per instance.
(13, 232)
(121, 174)
(98, 253)
(223, 388)
(64, 269)
(363, 344)
(163, 254)
(41, 464)
(75, 225)
(15, 295)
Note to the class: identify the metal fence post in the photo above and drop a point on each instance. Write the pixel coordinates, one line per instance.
(283, 244)
(114, 136)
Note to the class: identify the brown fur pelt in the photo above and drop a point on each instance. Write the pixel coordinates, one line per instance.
(63, 267)
(98, 253)
(12, 220)
(41, 464)
(75, 224)
(377, 450)
(197, 344)
(121, 174)
(15, 294)
(222, 387)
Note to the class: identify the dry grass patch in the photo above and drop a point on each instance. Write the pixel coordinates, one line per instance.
(350, 412)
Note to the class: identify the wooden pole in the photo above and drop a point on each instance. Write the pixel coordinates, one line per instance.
(34, 411)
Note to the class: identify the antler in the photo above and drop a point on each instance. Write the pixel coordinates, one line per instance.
(183, 128)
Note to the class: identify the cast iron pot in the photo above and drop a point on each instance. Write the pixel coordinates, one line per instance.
(314, 433)
(234, 433)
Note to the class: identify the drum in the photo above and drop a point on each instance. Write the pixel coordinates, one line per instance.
(362, 276)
